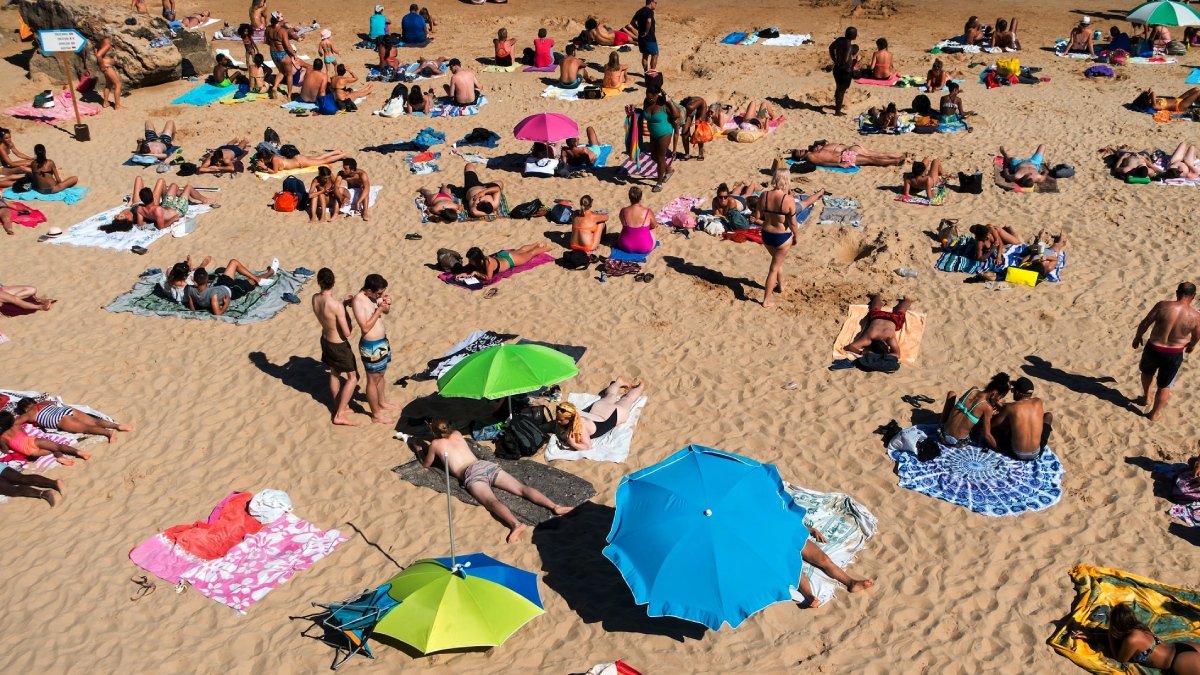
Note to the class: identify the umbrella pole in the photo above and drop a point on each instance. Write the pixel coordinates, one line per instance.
(510, 415)
(449, 507)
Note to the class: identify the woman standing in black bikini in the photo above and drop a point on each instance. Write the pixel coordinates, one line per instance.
(577, 429)
(1132, 641)
(778, 214)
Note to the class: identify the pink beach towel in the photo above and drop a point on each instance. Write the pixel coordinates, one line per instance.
(26, 216)
(62, 110)
(677, 206)
(891, 81)
(736, 123)
(536, 261)
(544, 69)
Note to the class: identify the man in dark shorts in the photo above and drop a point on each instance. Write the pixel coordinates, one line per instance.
(335, 346)
(841, 51)
(482, 199)
(643, 22)
(883, 328)
(1176, 329)
(1022, 428)
(225, 287)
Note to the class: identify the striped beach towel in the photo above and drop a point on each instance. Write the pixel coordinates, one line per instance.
(644, 167)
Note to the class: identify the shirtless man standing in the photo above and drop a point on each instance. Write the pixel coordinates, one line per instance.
(1023, 426)
(357, 178)
(277, 40)
(335, 346)
(1176, 329)
(883, 328)
(464, 89)
(315, 83)
(369, 305)
(479, 477)
(840, 52)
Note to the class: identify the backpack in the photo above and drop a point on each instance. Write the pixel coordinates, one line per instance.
(738, 220)
(1063, 171)
(448, 260)
(574, 260)
(970, 182)
(526, 210)
(921, 105)
(562, 214)
(878, 363)
(523, 437)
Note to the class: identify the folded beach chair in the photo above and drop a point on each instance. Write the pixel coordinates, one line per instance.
(348, 624)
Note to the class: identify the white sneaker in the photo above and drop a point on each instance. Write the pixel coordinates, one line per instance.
(264, 282)
(274, 265)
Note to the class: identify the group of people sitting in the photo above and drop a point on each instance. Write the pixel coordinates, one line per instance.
(638, 223)
(990, 241)
(1002, 36)
(22, 172)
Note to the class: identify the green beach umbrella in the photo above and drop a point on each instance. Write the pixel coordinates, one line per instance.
(1164, 13)
(505, 370)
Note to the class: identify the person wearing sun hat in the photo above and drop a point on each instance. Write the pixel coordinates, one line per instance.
(379, 25)
(1022, 428)
(326, 50)
(1080, 41)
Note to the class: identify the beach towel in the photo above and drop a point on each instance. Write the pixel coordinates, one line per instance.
(204, 94)
(536, 261)
(419, 201)
(561, 487)
(1172, 612)
(8, 403)
(268, 175)
(1178, 182)
(626, 256)
(348, 207)
(62, 110)
(1194, 76)
(611, 447)
(645, 167)
(684, 204)
(840, 211)
(1060, 49)
(202, 26)
(905, 123)
(298, 105)
(955, 45)
(455, 110)
(981, 480)
(1150, 61)
(735, 124)
(259, 304)
(950, 126)
(789, 40)
(556, 92)
(151, 160)
(406, 73)
(72, 195)
(423, 162)
(834, 169)
(846, 524)
(958, 259)
(910, 336)
(939, 197)
(879, 83)
(31, 219)
(88, 232)
(477, 341)
(493, 68)
(540, 69)
(739, 38)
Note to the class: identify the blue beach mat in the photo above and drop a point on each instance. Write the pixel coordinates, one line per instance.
(205, 94)
(69, 196)
(1194, 76)
(625, 256)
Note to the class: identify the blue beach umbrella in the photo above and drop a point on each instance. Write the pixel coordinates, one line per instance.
(707, 536)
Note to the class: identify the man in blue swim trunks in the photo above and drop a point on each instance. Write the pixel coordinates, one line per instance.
(572, 71)
(368, 306)
(1024, 172)
(643, 22)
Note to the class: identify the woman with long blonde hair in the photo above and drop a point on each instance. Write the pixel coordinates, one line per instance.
(578, 428)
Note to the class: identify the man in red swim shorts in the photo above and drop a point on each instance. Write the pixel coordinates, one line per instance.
(1176, 329)
(881, 334)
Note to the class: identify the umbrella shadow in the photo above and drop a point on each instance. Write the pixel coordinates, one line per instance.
(714, 277)
(465, 411)
(1161, 473)
(575, 567)
(1042, 369)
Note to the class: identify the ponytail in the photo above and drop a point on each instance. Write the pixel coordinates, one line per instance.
(585, 203)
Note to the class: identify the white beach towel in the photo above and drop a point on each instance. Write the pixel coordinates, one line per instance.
(202, 26)
(788, 40)
(557, 92)
(355, 192)
(266, 60)
(88, 233)
(847, 525)
(611, 447)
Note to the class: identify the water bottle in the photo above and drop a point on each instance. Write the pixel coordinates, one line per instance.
(907, 272)
(603, 276)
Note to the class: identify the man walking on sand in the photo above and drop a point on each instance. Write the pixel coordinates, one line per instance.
(1176, 329)
(335, 346)
(841, 52)
(369, 305)
(479, 477)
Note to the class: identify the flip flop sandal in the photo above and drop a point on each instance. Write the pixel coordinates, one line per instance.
(412, 236)
(639, 277)
(490, 293)
(145, 587)
(647, 277)
(657, 188)
(291, 298)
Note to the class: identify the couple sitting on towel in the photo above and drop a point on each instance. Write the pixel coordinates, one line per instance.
(991, 241)
(1020, 428)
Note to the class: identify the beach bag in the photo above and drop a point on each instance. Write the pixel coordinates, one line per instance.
(523, 437)
(972, 183)
(738, 220)
(1176, 48)
(684, 221)
(448, 260)
(575, 260)
(591, 93)
(702, 132)
(1098, 71)
(921, 105)
(526, 210)
(87, 82)
(768, 33)
(1063, 171)
(23, 215)
(1009, 66)
(878, 363)
(327, 104)
(286, 202)
(562, 214)
(1118, 57)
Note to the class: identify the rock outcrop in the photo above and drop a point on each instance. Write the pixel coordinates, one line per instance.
(138, 63)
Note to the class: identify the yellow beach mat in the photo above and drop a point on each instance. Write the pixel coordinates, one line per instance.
(245, 99)
(1172, 612)
(263, 175)
(910, 336)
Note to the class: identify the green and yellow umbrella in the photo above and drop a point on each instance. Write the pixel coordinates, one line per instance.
(506, 370)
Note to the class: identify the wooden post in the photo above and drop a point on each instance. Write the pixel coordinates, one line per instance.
(70, 86)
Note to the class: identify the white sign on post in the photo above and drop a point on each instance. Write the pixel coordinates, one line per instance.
(58, 41)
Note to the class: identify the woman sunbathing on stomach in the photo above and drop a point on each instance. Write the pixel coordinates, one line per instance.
(440, 204)
(486, 267)
(225, 159)
(578, 428)
(277, 163)
(14, 440)
(925, 176)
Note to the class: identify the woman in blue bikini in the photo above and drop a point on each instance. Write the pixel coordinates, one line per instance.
(781, 219)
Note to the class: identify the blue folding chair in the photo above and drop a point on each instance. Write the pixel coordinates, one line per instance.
(353, 620)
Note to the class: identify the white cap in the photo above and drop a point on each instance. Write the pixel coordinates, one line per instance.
(277, 15)
(1085, 20)
(379, 9)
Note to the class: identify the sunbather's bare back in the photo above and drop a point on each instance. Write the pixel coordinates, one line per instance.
(1175, 322)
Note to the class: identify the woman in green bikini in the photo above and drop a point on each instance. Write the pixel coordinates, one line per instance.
(963, 414)
(486, 267)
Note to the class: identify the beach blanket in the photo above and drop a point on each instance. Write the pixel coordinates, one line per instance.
(1151, 60)
(1172, 612)
(259, 304)
(1178, 182)
(455, 110)
(8, 403)
(846, 524)
(1194, 76)
(1060, 50)
(62, 110)
(645, 167)
(260, 561)
(981, 480)
(834, 169)
(556, 92)
(298, 105)
(477, 341)
(71, 195)
(910, 336)
(627, 256)
(204, 25)
(611, 447)
(419, 201)
(905, 122)
(735, 124)
(958, 259)
(536, 261)
(561, 487)
(405, 73)
(88, 232)
(1188, 514)
(31, 219)
(355, 193)
(1049, 185)
(151, 160)
(891, 81)
(955, 45)
(840, 211)
(789, 40)
(739, 38)
(204, 94)
(951, 125)
(540, 69)
(939, 197)
(677, 206)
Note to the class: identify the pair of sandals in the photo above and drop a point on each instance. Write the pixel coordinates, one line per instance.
(412, 236)
(145, 587)
(644, 277)
(915, 400)
(658, 187)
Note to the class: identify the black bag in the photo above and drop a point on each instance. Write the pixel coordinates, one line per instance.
(522, 437)
(349, 105)
(449, 260)
(768, 33)
(574, 260)
(921, 105)
(296, 186)
(878, 363)
(562, 214)
(1063, 171)
(526, 210)
(971, 182)
(289, 151)
(591, 93)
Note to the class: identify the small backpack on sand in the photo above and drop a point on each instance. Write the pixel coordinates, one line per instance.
(523, 437)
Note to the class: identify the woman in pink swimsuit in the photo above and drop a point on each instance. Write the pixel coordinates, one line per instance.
(637, 238)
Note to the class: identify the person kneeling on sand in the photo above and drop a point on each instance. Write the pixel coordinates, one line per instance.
(578, 428)
(813, 555)
(479, 477)
(972, 413)
(1023, 426)
(51, 416)
(13, 439)
(883, 328)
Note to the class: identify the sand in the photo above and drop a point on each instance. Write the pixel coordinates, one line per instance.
(222, 407)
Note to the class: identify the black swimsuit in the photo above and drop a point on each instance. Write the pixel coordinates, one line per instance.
(605, 426)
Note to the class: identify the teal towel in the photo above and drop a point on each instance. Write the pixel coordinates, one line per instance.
(204, 95)
(68, 196)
